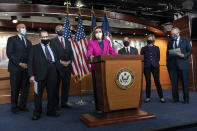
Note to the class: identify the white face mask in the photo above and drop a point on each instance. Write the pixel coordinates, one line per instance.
(98, 35)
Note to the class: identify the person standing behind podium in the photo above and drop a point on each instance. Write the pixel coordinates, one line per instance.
(17, 50)
(127, 50)
(178, 65)
(151, 64)
(43, 63)
(64, 50)
(98, 46)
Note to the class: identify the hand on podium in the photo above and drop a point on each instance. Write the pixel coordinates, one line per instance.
(91, 58)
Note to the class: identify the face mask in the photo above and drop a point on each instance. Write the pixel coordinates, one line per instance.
(23, 31)
(175, 37)
(98, 35)
(60, 32)
(45, 41)
(126, 43)
(150, 42)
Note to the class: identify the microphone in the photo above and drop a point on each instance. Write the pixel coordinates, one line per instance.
(108, 48)
(118, 42)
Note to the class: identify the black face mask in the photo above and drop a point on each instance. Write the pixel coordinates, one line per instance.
(126, 43)
(150, 42)
(60, 32)
(45, 42)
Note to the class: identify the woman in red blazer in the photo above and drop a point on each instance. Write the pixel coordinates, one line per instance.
(98, 46)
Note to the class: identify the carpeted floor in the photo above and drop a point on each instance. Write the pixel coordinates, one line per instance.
(168, 115)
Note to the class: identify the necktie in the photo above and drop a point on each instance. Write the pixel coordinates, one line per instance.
(127, 50)
(62, 43)
(47, 53)
(23, 40)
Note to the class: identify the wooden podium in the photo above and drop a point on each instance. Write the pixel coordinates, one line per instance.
(119, 82)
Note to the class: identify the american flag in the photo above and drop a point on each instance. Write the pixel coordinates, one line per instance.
(80, 67)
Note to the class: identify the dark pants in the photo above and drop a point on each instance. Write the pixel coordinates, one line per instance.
(155, 72)
(94, 89)
(65, 79)
(19, 82)
(50, 82)
(175, 74)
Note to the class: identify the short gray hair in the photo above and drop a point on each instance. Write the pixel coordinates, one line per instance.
(57, 27)
(177, 29)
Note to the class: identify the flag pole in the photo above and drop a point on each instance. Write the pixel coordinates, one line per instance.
(81, 101)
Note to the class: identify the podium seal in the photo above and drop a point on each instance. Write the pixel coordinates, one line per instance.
(125, 78)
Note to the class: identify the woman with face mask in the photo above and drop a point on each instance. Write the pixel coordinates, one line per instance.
(98, 46)
(151, 65)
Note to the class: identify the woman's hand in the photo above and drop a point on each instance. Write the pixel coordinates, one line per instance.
(91, 58)
(31, 79)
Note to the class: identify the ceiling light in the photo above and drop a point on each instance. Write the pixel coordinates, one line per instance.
(79, 4)
(14, 19)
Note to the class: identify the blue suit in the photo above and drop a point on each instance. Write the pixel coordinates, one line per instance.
(178, 66)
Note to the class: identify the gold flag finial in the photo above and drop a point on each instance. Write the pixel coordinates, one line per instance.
(92, 11)
(67, 3)
(105, 12)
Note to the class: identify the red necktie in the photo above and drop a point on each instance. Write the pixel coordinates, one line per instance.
(62, 43)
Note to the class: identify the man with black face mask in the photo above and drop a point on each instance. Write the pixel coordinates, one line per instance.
(65, 53)
(151, 55)
(127, 50)
(43, 63)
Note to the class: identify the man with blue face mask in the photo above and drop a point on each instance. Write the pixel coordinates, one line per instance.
(178, 65)
(17, 50)
(65, 53)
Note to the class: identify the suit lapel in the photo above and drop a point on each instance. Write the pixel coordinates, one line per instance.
(21, 42)
(53, 52)
(180, 41)
(171, 44)
(41, 51)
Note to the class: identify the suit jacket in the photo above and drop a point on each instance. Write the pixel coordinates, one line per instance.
(95, 50)
(63, 54)
(38, 63)
(133, 51)
(186, 49)
(17, 52)
(151, 56)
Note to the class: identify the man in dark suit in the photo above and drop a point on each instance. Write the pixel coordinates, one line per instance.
(65, 53)
(127, 50)
(178, 64)
(17, 50)
(43, 63)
